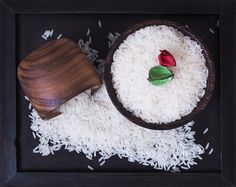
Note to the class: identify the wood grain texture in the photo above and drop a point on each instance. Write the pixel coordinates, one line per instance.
(201, 104)
(55, 73)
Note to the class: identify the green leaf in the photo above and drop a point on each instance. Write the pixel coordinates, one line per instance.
(160, 75)
(160, 82)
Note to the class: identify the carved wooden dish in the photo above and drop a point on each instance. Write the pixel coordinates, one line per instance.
(55, 73)
(201, 104)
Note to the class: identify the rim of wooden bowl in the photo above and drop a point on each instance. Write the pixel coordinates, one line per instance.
(201, 105)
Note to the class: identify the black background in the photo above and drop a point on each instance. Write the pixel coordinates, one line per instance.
(29, 31)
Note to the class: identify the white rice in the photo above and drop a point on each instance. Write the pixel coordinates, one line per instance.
(102, 163)
(183, 167)
(44, 37)
(132, 62)
(47, 34)
(51, 32)
(59, 36)
(199, 157)
(26, 98)
(207, 145)
(211, 31)
(90, 167)
(112, 38)
(92, 124)
(33, 133)
(211, 151)
(205, 131)
(187, 26)
(88, 32)
(92, 54)
(30, 106)
(100, 24)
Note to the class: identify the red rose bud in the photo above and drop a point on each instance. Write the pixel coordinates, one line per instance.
(166, 58)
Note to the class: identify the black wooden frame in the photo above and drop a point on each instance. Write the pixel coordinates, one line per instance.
(9, 176)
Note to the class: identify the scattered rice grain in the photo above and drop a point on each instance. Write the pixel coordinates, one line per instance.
(59, 36)
(210, 152)
(44, 37)
(205, 131)
(211, 31)
(199, 157)
(51, 32)
(90, 167)
(100, 24)
(88, 32)
(102, 163)
(183, 167)
(187, 26)
(30, 106)
(207, 145)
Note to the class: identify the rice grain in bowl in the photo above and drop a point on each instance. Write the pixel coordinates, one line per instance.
(159, 107)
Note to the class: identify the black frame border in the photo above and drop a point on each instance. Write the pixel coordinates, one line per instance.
(9, 9)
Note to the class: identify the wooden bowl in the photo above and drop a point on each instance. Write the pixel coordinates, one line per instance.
(112, 93)
(54, 73)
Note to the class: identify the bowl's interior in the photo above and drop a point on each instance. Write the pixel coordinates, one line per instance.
(201, 104)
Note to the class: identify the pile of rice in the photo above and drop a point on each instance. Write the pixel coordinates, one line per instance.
(138, 54)
(91, 125)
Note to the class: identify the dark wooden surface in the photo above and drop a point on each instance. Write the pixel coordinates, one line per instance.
(119, 6)
(54, 73)
(201, 105)
(22, 168)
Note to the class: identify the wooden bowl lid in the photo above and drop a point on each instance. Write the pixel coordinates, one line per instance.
(55, 73)
(112, 93)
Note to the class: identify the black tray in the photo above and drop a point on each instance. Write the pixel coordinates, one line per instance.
(22, 25)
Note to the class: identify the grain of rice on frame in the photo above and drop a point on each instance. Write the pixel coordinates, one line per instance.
(138, 54)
